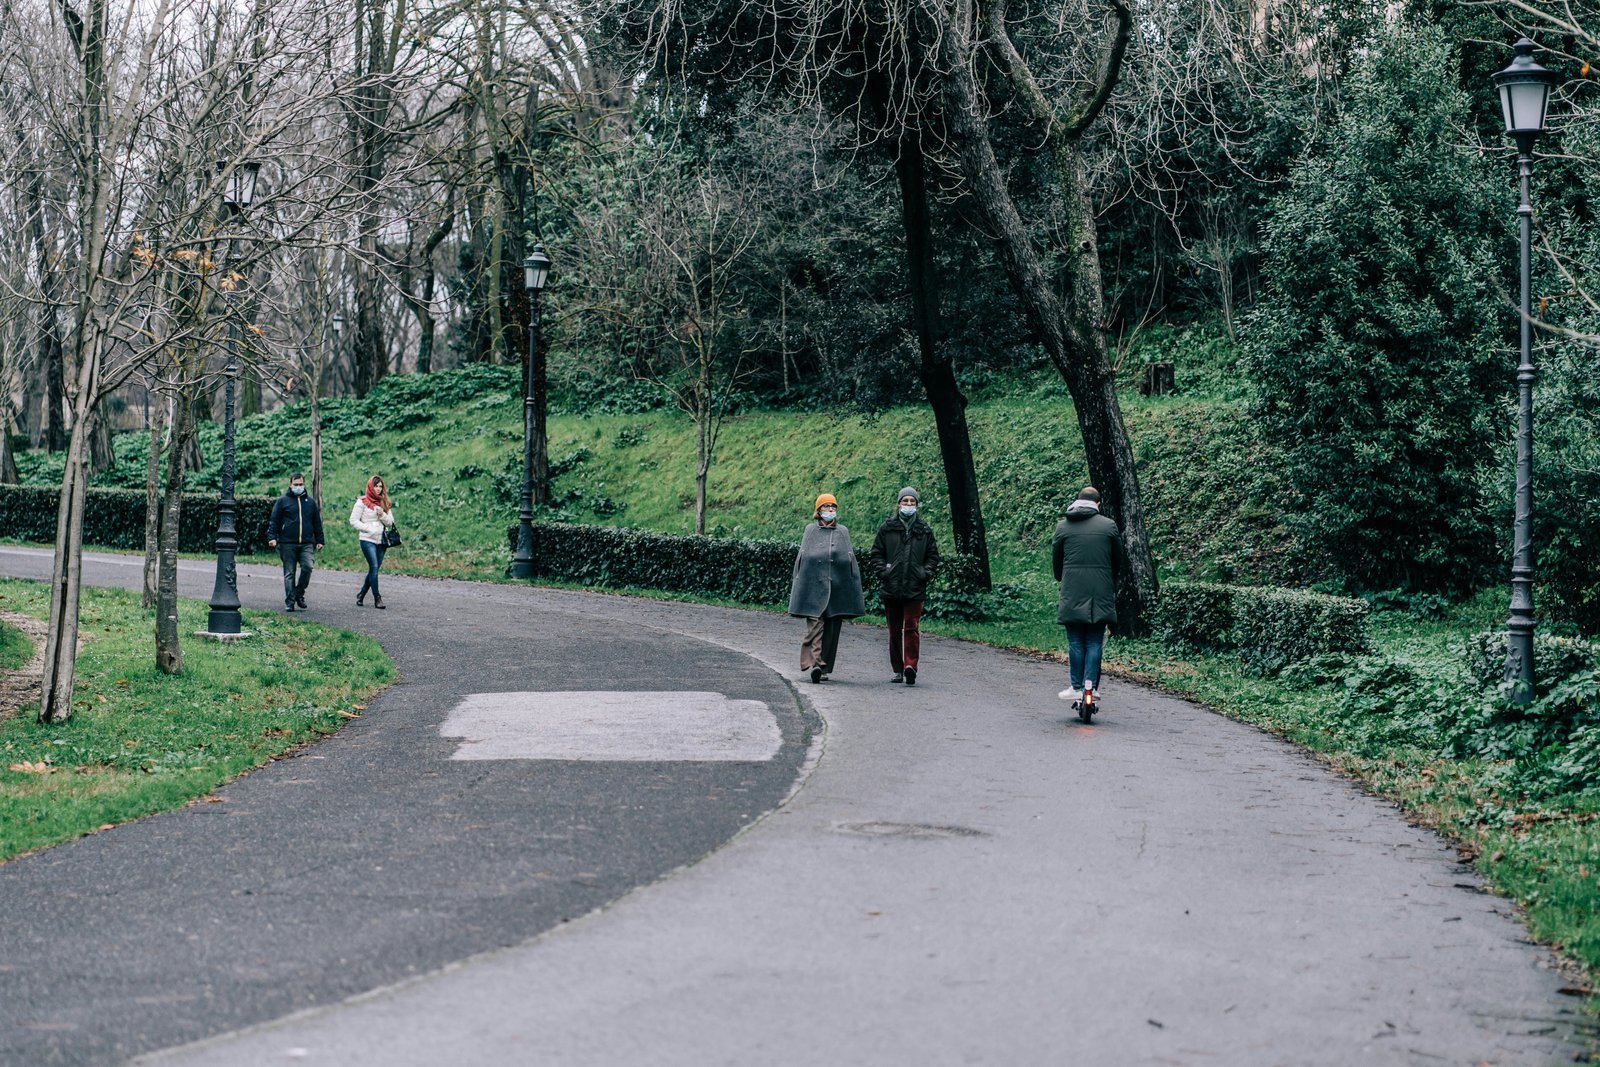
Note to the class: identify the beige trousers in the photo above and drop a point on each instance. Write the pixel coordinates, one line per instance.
(821, 643)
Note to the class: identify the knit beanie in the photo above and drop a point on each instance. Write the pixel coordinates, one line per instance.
(825, 498)
(909, 492)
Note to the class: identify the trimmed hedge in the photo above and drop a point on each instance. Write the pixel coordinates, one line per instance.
(114, 518)
(1268, 627)
(752, 571)
(757, 572)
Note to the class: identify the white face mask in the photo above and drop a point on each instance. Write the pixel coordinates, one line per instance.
(828, 514)
(908, 510)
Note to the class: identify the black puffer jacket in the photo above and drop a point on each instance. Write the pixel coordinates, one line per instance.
(906, 557)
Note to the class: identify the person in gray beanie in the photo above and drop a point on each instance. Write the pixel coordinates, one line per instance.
(906, 557)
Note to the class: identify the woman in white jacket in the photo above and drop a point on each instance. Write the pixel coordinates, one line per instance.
(371, 516)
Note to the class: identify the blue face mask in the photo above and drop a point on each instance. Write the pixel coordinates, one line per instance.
(828, 514)
(297, 490)
(907, 510)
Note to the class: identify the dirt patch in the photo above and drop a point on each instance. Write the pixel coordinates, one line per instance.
(21, 686)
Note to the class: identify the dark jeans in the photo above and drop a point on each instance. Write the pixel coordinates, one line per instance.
(294, 556)
(1084, 645)
(905, 631)
(374, 554)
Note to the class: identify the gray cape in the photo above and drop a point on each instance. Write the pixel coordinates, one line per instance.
(827, 579)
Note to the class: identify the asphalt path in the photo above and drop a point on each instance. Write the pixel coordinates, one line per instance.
(373, 855)
(961, 874)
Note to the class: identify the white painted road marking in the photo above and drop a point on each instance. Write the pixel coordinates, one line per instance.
(618, 725)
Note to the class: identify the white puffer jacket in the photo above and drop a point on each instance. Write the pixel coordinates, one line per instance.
(370, 521)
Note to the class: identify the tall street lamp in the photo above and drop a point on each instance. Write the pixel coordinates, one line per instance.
(238, 189)
(1524, 97)
(535, 272)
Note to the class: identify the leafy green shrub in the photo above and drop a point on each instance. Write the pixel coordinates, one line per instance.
(957, 593)
(114, 518)
(1195, 616)
(1376, 345)
(1555, 658)
(1399, 700)
(1269, 628)
(1275, 627)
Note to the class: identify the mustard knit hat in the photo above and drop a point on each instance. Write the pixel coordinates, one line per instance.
(825, 498)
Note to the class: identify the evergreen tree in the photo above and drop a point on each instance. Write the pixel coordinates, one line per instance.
(1379, 346)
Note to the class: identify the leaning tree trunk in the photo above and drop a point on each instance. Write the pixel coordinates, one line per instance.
(66, 575)
(1072, 336)
(938, 374)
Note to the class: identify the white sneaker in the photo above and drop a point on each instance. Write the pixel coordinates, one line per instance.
(1070, 695)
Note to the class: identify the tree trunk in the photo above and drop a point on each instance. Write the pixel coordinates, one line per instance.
(102, 456)
(61, 646)
(702, 468)
(8, 462)
(55, 401)
(169, 651)
(1073, 338)
(152, 502)
(316, 446)
(425, 323)
(938, 374)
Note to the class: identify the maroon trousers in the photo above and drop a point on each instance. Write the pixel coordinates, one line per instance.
(905, 631)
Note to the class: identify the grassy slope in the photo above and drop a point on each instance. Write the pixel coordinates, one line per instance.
(454, 478)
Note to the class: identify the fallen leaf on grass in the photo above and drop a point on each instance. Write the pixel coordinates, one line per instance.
(29, 767)
(348, 714)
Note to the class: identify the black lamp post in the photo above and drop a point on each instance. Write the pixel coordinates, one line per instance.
(1524, 97)
(535, 272)
(238, 189)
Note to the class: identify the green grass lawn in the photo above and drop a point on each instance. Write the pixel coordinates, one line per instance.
(140, 741)
(15, 647)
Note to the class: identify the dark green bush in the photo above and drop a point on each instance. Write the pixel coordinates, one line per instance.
(1376, 346)
(756, 572)
(1269, 628)
(114, 518)
(1555, 658)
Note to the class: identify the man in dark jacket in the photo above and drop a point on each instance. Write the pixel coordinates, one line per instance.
(906, 557)
(295, 530)
(1087, 557)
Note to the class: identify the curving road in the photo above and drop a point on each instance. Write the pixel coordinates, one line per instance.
(961, 874)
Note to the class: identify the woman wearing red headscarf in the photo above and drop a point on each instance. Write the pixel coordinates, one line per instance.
(372, 514)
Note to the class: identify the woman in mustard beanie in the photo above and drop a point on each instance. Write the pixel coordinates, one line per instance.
(827, 587)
